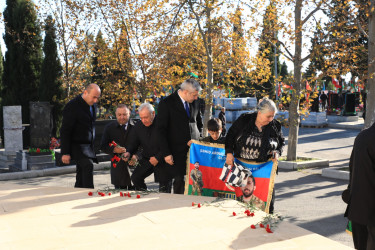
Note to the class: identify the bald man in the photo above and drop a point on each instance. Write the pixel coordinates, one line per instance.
(78, 134)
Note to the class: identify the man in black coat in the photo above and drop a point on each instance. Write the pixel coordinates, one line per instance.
(144, 136)
(361, 202)
(78, 134)
(119, 132)
(179, 120)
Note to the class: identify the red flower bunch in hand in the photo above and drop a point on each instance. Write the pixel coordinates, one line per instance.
(115, 158)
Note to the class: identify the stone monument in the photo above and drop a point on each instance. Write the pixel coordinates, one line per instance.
(40, 124)
(12, 135)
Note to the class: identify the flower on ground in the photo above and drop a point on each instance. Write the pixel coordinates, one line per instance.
(90, 193)
(199, 205)
(234, 213)
(261, 225)
(193, 204)
(138, 196)
(252, 226)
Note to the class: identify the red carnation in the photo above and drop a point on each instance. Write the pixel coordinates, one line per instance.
(138, 196)
(199, 205)
(114, 165)
(113, 143)
(193, 204)
(129, 195)
(269, 230)
(252, 226)
(90, 193)
(234, 213)
(38, 150)
(252, 214)
(261, 225)
(121, 194)
(103, 194)
(247, 211)
(109, 194)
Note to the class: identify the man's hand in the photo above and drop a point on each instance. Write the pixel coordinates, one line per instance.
(230, 159)
(169, 159)
(133, 161)
(125, 156)
(119, 150)
(153, 161)
(275, 156)
(65, 159)
(190, 142)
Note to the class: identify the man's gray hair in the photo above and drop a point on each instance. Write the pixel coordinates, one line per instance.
(146, 105)
(191, 85)
(266, 105)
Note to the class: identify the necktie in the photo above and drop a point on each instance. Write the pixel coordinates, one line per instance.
(92, 111)
(187, 109)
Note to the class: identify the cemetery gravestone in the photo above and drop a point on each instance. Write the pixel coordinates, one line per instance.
(12, 134)
(40, 124)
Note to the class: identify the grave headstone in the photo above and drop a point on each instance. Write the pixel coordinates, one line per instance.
(40, 124)
(12, 129)
(12, 135)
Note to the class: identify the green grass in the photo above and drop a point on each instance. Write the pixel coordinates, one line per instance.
(299, 159)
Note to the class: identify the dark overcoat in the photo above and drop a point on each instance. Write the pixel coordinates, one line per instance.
(176, 129)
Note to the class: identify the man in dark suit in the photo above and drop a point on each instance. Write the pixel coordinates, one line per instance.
(118, 131)
(361, 201)
(145, 136)
(78, 134)
(179, 120)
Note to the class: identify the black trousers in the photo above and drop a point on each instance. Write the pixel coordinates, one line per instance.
(84, 173)
(178, 183)
(140, 173)
(363, 236)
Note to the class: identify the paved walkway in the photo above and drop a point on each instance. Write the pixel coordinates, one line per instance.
(303, 197)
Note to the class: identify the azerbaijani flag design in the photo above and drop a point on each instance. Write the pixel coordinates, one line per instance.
(211, 158)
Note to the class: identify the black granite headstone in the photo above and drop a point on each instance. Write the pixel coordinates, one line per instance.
(40, 124)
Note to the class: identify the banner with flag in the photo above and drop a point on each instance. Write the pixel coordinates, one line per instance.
(247, 181)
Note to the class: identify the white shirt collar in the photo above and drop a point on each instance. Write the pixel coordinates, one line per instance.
(182, 99)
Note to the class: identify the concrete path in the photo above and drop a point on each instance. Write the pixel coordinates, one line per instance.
(304, 197)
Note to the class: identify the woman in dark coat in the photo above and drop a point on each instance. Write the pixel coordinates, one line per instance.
(256, 136)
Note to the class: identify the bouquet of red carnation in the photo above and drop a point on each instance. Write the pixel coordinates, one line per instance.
(117, 157)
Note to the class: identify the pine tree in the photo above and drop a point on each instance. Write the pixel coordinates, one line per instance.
(23, 57)
(267, 50)
(1, 71)
(50, 89)
(284, 71)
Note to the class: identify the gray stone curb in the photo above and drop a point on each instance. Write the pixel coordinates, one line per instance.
(48, 172)
(335, 173)
(289, 165)
(346, 126)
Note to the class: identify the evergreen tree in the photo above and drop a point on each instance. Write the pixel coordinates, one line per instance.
(237, 76)
(284, 71)
(1, 71)
(23, 57)
(267, 51)
(50, 89)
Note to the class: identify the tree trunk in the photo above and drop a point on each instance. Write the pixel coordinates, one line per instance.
(370, 100)
(209, 96)
(294, 105)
